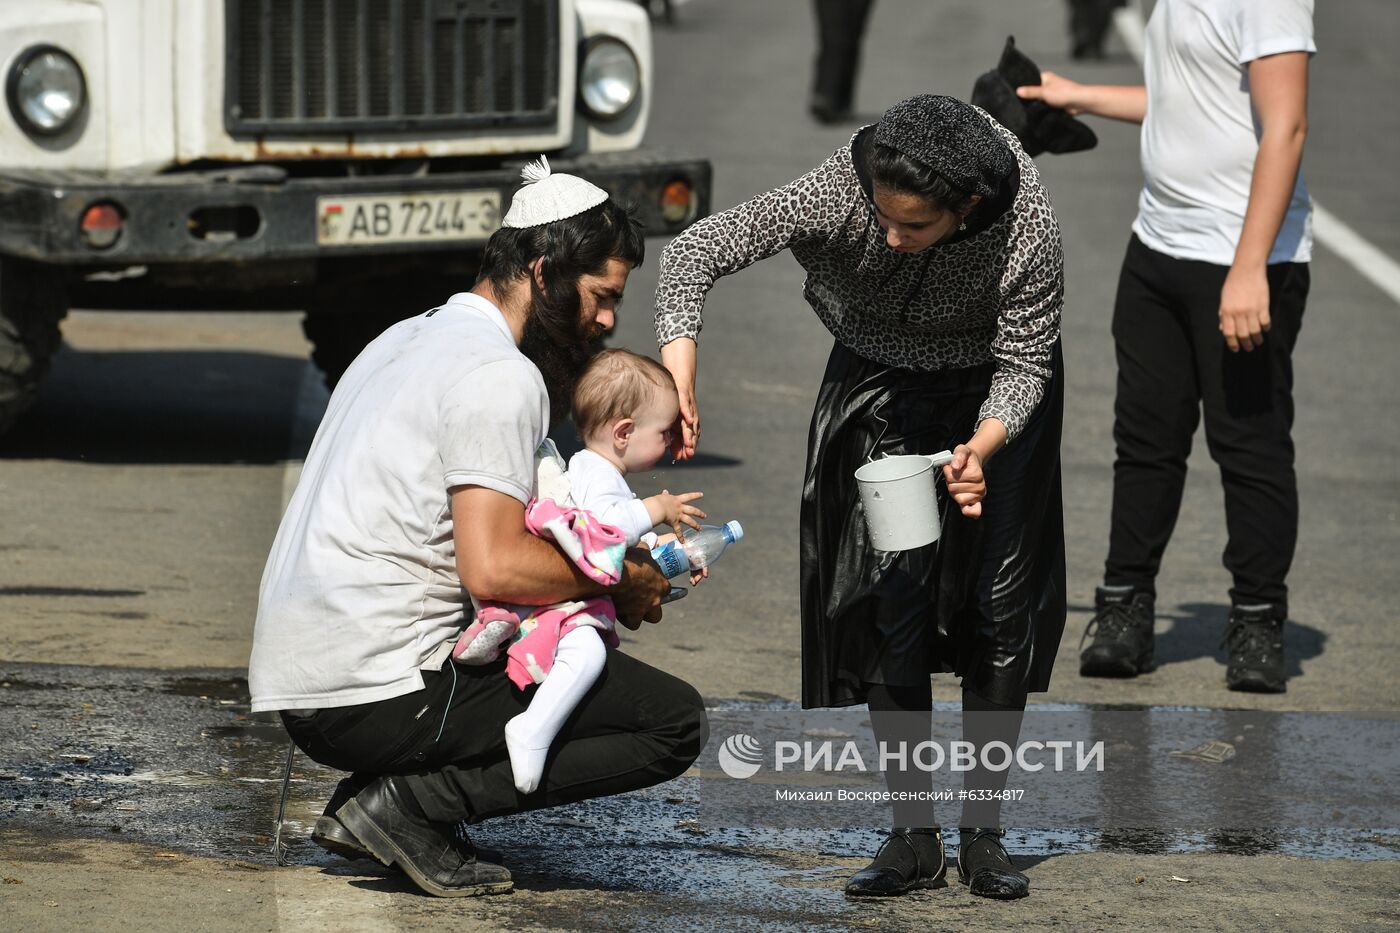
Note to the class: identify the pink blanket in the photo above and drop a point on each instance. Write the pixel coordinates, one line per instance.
(533, 632)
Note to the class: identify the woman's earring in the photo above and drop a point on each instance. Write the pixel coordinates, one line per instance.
(963, 225)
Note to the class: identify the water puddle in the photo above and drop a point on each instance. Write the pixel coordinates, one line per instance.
(177, 761)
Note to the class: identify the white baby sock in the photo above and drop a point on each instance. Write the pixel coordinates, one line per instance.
(578, 660)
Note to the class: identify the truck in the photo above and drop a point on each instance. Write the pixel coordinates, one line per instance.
(348, 158)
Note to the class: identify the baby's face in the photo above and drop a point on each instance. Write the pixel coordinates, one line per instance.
(651, 438)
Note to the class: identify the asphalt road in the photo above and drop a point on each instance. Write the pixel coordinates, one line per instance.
(142, 494)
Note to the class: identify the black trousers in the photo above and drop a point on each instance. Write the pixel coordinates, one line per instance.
(840, 27)
(1172, 364)
(1089, 22)
(637, 727)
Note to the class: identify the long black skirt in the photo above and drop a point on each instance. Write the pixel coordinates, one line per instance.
(986, 601)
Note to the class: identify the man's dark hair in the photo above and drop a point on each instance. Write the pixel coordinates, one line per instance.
(554, 338)
(890, 168)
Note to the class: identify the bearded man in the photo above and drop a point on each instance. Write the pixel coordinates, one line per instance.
(413, 497)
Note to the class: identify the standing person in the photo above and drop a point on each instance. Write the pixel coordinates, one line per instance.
(1089, 21)
(840, 29)
(1210, 301)
(413, 494)
(933, 257)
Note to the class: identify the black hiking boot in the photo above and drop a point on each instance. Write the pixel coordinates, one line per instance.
(1254, 640)
(1122, 634)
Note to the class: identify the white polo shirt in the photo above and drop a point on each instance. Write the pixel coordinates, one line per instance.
(361, 590)
(1200, 136)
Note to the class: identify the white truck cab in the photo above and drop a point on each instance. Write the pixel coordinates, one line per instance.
(348, 157)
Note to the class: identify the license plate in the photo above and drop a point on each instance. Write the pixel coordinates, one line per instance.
(418, 217)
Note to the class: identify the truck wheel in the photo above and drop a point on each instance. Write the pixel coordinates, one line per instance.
(337, 337)
(32, 302)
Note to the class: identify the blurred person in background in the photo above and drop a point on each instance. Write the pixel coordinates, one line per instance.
(840, 29)
(1089, 22)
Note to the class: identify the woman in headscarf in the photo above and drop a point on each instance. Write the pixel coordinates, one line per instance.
(933, 256)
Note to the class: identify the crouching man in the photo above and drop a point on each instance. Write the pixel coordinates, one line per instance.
(412, 496)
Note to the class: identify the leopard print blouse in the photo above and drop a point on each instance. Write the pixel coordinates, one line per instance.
(993, 296)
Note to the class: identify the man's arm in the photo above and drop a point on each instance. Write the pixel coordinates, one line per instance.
(1278, 88)
(499, 560)
(1126, 102)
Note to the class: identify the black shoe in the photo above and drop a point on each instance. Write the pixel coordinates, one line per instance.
(383, 819)
(330, 834)
(908, 860)
(1122, 633)
(1255, 642)
(986, 869)
(825, 110)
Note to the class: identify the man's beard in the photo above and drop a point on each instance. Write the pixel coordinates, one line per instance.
(559, 364)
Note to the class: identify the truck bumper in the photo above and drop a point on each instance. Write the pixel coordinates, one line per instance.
(246, 214)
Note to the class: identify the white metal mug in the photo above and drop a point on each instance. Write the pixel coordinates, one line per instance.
(900, 500)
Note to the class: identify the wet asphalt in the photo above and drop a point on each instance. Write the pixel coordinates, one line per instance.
(174, 759)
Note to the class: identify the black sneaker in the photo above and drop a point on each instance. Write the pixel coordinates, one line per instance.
(986, 869)
(1122, 634)
(908, 860)
(1254, 640)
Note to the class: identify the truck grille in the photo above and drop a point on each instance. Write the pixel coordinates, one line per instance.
(332, 66)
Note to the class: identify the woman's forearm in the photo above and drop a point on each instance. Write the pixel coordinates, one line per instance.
(989, 437)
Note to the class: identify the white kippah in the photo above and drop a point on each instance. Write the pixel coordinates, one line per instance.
(546, 197)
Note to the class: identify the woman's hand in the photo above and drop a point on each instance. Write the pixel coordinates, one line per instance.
(1244, 309)
(966, 484)
(679, 357)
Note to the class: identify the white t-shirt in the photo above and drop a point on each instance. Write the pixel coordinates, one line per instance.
(1201, 135)
(361, 590)
(599, 487)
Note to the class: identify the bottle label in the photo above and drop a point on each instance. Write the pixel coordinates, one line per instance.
(671, 559)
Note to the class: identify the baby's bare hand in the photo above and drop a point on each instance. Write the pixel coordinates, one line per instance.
(678, 510)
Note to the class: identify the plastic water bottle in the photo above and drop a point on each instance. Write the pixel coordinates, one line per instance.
(697, 549)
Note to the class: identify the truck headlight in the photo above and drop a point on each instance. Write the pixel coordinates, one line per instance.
(609, 77)
(46, 90)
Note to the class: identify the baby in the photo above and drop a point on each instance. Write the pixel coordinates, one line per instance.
(624, 408)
